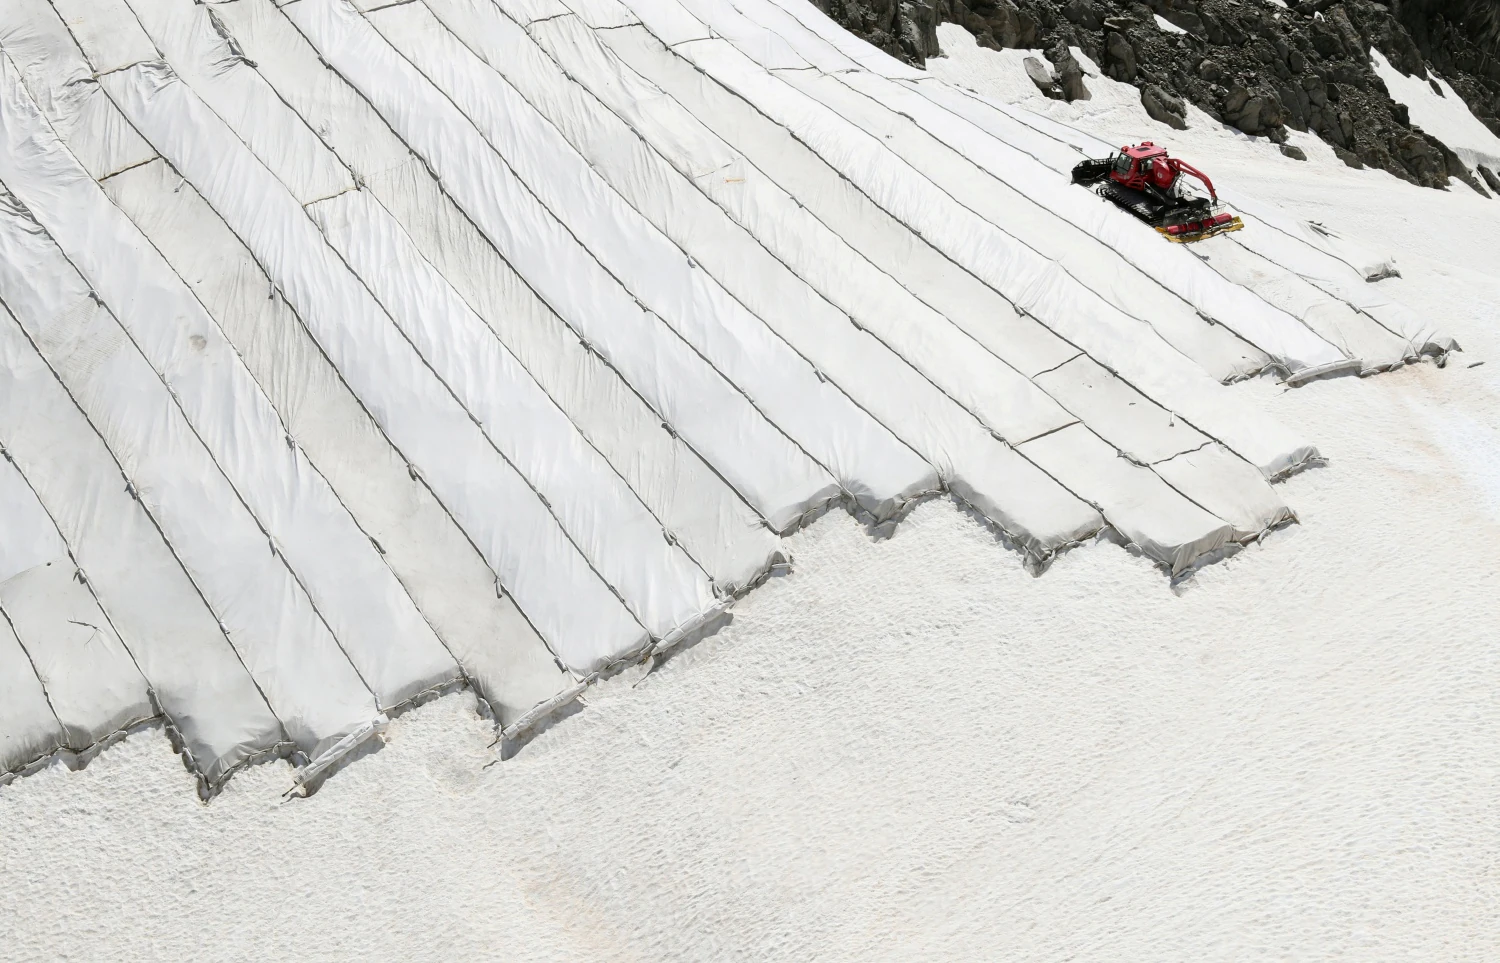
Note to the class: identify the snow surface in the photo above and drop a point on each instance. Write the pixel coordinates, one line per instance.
(911, 748)
(1444, 116)
(1167, 25)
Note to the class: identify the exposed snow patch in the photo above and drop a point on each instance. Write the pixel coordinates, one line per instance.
(1168, 25)
(1444, 116)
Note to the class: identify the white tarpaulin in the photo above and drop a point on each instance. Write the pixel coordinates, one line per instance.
(63, 86)
(353, 591)
(696, 400)
(351, 350)
(870, 463)
(657, 580)
(851, 353)
(703, 513)
(91, 681)
(198, 678)
(285, 643)
(571, 607)
(446, 576)
(497, 648)
(193, 41)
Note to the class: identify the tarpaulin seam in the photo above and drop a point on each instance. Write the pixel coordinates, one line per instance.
(427, 364)
(127, 167)
(417, 476)
(1059, 365)
(822, 376)
(618, 280)
(1162, 461)
(208, 606)
(528, 284)
(1053, 431)
(176, 402)
(61, 730)
(571, 234)
(857, 188)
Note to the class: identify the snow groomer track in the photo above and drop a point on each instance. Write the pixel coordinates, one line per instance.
(351, 353)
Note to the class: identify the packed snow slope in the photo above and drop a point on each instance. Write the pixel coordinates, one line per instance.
(350, 353)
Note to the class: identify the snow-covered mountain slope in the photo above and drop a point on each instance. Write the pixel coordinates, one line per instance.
(353, 352)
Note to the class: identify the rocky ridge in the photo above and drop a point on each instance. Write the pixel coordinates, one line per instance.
(1256, 65)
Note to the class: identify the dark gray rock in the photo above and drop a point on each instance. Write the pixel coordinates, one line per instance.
(1164, 108)
(1294, 152)
(1490, 178)
(1041, 75)
(1119, 54)
(1070, 77)
(1349, 158)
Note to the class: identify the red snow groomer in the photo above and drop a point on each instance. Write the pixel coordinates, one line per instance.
(1149, 184)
